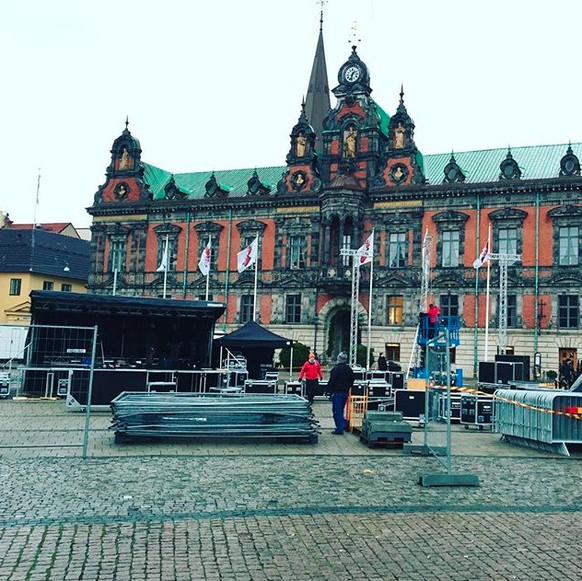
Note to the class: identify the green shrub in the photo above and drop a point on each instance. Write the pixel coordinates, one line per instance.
(300, 355)
(361, 352)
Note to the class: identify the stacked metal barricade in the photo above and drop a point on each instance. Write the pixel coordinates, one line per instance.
(194, 415)
(547, 419)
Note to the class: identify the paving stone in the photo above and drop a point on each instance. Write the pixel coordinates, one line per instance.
(335, 510)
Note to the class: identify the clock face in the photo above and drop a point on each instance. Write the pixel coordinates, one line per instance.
(352, 74)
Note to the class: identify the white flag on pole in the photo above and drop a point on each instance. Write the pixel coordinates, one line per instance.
(248, 256)
(483, 257)
(365, 253)
(204, 264)
(164, 263)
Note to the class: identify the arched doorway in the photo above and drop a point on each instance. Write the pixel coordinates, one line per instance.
(338, 336)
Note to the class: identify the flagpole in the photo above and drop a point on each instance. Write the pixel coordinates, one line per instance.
(256, 280)
(34, 220)
(166, 267)
(476, 326)
(208, 273)
(370, 305)
(487, 297)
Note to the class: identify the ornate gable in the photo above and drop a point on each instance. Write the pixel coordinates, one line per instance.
(569, 164)
(255, 187)
(213, 189)
(302, 175)
(453, 172)
(401, 162)
(509, 168)
(125, 173)
(352, 131)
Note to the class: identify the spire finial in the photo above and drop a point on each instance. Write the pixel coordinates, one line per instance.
(354, 40)
(321, 3)
(126, 121)
(402, 92)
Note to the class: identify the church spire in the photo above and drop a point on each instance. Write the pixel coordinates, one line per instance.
(317, 102)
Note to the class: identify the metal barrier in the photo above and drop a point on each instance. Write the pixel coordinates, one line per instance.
(356, 408)
(50, 355)
(543, 419)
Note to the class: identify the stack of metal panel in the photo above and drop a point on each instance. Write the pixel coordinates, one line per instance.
(194, 415)
(548, 419)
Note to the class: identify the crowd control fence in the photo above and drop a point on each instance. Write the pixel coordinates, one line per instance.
(544, 419)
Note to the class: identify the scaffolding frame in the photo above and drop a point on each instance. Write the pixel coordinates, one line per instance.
(415, 353)
(354, 303)
(504, 261)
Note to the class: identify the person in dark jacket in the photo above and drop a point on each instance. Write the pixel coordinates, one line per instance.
(382, 363)
(341, 379)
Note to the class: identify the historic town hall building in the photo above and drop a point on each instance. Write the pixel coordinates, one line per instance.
(351, 169)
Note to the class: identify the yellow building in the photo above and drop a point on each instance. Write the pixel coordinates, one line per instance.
(37, 259)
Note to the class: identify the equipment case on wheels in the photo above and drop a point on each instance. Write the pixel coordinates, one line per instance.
(455, 407)
(476, 410)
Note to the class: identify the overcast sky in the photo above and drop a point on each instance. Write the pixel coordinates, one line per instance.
(211, 85)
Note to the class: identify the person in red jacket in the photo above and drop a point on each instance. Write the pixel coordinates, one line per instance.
(433, 320)
(311, 372)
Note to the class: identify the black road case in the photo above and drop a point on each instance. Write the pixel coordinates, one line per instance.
(410, 402)
(455, 407)
(476, 410)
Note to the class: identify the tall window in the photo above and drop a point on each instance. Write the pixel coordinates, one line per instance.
(450, 248)
(171, 252)
(568, 311)
(394, 304)
(512, 310)
(296, 252)
(568, 250)
(293, 309)
(15, 286)
(392, 351)
(117, 255)
(507, 240)
(397, 249)
(449, 306)
(246, 240)
(48, 285)
(247, 304)
(346, 243)
(202, 243)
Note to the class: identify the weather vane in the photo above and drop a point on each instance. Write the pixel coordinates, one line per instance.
(321, 3)
(354, 38)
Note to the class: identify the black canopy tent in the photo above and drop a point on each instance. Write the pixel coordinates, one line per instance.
(256, 344)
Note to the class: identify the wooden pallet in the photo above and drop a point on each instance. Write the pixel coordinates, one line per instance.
(382, 443)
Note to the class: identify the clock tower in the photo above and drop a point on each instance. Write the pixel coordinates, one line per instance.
(353, 133)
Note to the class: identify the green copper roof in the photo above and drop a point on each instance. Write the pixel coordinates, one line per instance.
(535, 162)
(156, 178)
(384, 119)
(194, 184)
